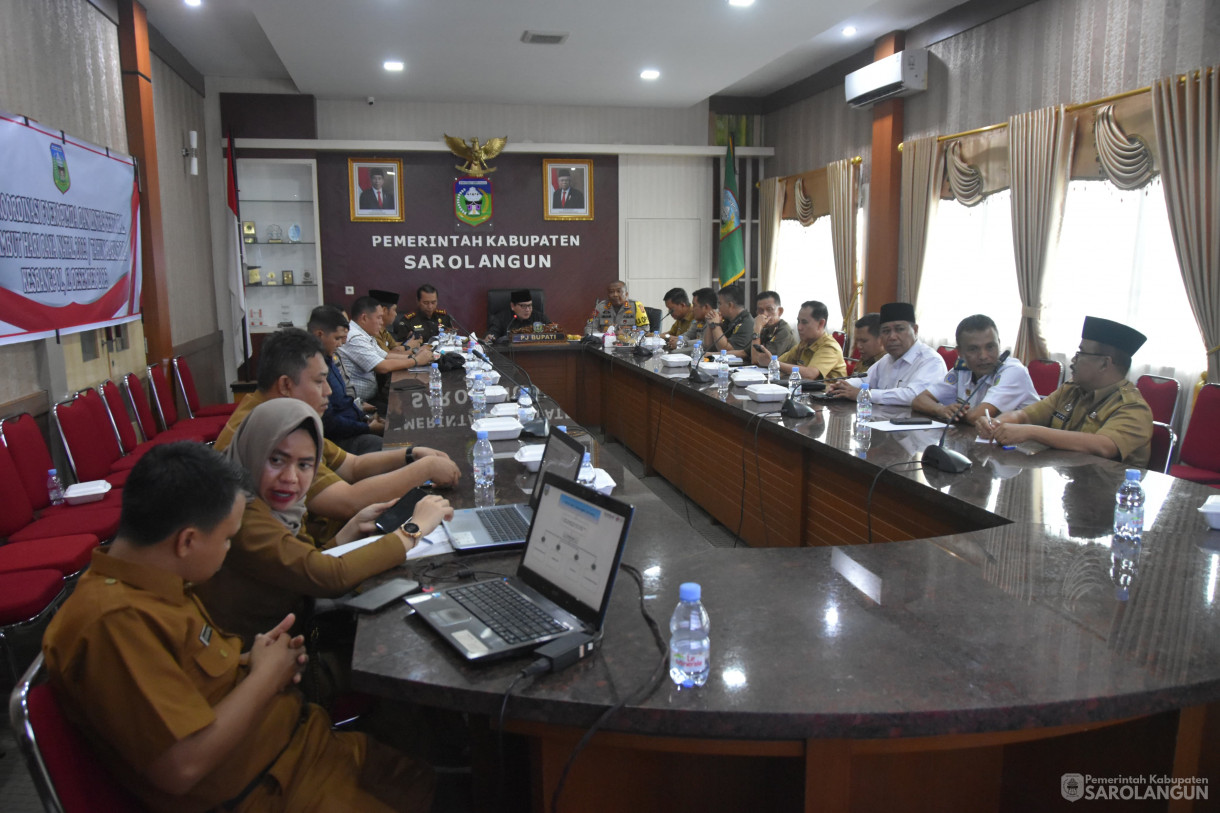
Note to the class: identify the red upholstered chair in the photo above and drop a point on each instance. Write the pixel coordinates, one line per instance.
(18, 523)
(840, 337)
(1164, 439)
(1200, 456)
(1161, 393)
(949, 354)
(1046, 374)
(128, 441)
(190, 397)
(851, 365)
(91, 446)
(26, 598)
(66, 770)
(167, 408)
(68, 555)
(133, 389)
(33, 460)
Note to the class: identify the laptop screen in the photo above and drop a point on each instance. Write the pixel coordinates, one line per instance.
(563, 455)
(574, 546)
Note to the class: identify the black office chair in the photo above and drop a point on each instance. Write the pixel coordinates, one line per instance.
(654, 319)
(498, 300)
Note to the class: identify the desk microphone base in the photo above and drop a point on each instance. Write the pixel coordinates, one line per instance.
(793, 409)
(946, 460)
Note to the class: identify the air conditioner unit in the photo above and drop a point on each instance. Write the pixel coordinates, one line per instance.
(901, 74)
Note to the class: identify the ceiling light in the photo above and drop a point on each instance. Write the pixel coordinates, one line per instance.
(193, 2)
(741, 3)
(849, 31)
(392, 65)
(650, 74)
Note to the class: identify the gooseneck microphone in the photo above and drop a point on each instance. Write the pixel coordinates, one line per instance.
(937, 456)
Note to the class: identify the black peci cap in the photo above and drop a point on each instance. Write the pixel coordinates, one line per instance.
(898, 312)
(387, 298)
(1115, 334)
(521, 295)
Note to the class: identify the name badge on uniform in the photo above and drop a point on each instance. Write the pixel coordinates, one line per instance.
(1061, 417)
(205, 635)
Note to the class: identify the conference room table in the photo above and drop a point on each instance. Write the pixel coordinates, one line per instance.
(990, 642)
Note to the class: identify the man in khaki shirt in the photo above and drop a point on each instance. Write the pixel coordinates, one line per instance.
(868, 344)
(774, 332)
(1099, 411)
(679, 306)
(817, 355)
(170, 704)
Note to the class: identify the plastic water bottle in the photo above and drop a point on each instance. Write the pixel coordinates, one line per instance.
(525, 405)
(609, 338)
(434, 380)
(1129, 509)
(563, 429)
(773, 373)
(696, 352)
(722, 376)
(794, 382)
(440, 336)
(864, 404)
(484, 462)
(587, 474)
(55, 487)
(478, 395)
(689, 646)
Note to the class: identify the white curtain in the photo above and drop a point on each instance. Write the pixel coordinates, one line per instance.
(1039, 159)
(843, 181)
(771, 208)
(1186, 116)
(922, 170)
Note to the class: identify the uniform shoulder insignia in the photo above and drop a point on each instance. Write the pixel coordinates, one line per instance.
(441, 311)
(410, 315)
(951, 378)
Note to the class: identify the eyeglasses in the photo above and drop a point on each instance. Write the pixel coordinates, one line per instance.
(1080, 353)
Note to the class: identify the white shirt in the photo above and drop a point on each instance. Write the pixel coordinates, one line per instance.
(359, 356)
(1011, 388)
(897, 381)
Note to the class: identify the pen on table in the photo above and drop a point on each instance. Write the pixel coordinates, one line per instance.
(987, 413)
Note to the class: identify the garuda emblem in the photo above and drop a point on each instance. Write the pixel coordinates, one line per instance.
(476, 155)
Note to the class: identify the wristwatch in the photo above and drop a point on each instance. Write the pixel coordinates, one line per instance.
(412, 530)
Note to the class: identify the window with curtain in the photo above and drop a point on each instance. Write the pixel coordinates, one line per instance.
(969, 268)
(805, 269)
(1116, 260)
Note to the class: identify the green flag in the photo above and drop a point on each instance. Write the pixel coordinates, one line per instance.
(732, 258)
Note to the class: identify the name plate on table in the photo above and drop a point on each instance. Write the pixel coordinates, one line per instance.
(530, 337)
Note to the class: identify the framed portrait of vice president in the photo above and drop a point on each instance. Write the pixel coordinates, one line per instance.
(375, 189)
(567, 189)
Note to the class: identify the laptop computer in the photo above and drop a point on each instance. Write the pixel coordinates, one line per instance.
(562, 584)
(505, 526)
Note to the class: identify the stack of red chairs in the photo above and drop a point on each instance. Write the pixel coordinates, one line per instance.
(167, 409)
(129, 443)
(190, 397)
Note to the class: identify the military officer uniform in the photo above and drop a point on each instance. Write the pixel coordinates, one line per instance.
(630, 314)
(424, 328)
(778, 338)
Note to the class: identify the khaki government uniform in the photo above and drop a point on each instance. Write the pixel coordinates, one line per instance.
(680, 326)
(138, 665)
(386, 341)
(269, 572)
(1118, 412)
(778, 339)
(630, 314)
(823, 353)
(863, 364)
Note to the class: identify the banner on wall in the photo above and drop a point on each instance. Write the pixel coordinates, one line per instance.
(69, 234)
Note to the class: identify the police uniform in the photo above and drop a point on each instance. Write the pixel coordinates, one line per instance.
(1118, 412)
(424, 328)
(823, 353)
(1008, 389)
(630, 314)
(139, 666)
(778, 338)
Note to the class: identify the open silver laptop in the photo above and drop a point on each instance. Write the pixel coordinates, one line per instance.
(505, 526)
(562, 585)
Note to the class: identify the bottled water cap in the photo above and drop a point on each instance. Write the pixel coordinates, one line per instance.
(52, 471)
(1133, 474)
(690, 591)
(435, 366)
(482, 434)
(863, 385)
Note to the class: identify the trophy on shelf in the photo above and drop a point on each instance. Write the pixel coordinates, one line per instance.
(254, 275)
(286, 277)
(269, 279)
(275, 233)
(307, 277)
(294, 233)
(248, 233)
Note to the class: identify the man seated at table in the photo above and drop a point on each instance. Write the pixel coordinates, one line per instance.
(616, 309)
(388, 302)
(909, 366)
(520, 314)
(679, 307)
(171, 705)
(1098, 411)
(774, 332)
(703, 302)
(979, 384)
(869, 348)
(731, 327)
(817, 355)
(426, 320)
(363, 358)
(345, 422)
(291, 364)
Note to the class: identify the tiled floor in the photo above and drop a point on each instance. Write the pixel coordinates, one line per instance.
(17, 794)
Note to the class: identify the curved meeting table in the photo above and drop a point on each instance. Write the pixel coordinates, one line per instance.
(988, 642)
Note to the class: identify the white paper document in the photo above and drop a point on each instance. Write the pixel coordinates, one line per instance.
(434, 544)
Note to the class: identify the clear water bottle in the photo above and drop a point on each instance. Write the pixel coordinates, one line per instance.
(722, 375)
(472, 367)
(55, 487)
(864, 404)
(440, 336)
(587, 474)
(696, 352)
(689, 646)
(434, 380)
(773, 373)
(794, 383)
(525, 405)
(863, 439)
(1129, 509)
(484, 462)
(609, 338)
(478, 395)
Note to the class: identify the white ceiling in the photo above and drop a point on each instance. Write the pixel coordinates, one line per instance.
(471, 50)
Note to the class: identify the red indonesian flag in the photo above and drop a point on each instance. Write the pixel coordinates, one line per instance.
(236, 272)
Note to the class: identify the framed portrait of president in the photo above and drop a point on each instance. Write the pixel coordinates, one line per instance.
(567, 189)
(375, 187)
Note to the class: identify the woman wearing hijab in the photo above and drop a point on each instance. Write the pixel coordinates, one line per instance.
(273, 565)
